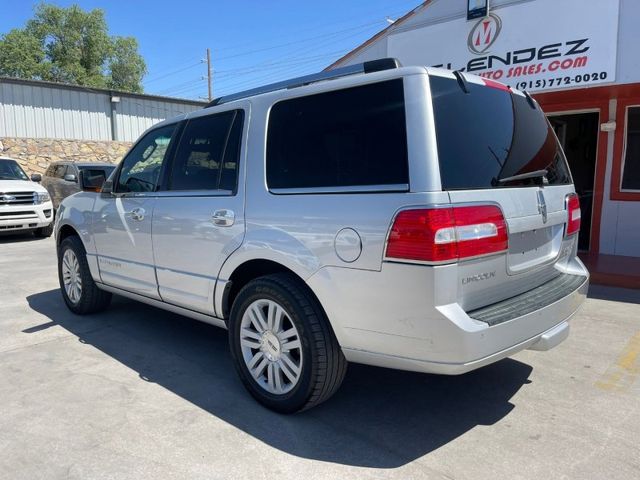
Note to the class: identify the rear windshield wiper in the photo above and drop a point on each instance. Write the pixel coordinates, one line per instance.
(524, 176)
(462, 82)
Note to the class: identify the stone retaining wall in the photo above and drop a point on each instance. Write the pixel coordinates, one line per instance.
(35, 154)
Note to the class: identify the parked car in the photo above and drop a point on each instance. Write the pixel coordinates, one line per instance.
(410, 218)
(65, 178)
(24, 205)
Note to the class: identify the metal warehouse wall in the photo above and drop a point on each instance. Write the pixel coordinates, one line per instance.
(31, 109)
(135, 115)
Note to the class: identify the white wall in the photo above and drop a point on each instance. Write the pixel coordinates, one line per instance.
(438, 12)
(620, 221)
(628, 41)
(435, 12)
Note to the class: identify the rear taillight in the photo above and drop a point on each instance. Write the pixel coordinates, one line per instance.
(573, 214)
(447, 234)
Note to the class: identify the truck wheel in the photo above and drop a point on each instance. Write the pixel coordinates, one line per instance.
(44, 232)
(79, 291)
(282, 345)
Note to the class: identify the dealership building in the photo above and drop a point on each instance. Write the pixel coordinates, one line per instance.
(580, 61)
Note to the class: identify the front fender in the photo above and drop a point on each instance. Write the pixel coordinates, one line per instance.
(77, 212)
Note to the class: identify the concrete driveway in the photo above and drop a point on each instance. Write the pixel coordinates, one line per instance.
(136, 392)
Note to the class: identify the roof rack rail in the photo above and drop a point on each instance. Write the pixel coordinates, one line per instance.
(366, 67)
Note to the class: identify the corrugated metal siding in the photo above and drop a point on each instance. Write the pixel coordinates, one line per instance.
(29, 111)
(44, 111)
(135, 115)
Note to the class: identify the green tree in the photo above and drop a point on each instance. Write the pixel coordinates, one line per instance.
(22, 56)
(126, 67)
(71, 45)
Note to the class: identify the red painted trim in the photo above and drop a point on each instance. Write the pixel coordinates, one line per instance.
(586, 99)
(619, 150)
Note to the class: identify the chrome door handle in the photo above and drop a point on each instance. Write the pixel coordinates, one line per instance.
(223, 218)
(137, 214)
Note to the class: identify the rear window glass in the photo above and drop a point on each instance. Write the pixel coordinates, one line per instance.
(488, 135)
(351, 137)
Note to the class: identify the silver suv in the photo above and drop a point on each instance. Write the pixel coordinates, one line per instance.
(410, 218)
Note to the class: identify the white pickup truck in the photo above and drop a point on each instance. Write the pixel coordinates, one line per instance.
(24, 204)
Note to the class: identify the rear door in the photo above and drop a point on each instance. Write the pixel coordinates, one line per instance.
(198, 219)
(495, 146)
(122, 219)
(69, 187)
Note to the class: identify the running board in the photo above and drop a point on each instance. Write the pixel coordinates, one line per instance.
(211, 320)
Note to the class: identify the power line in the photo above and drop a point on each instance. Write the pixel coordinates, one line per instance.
(269, 77)
(382, 13)
(274, 67)
(226, 74)
(174, 72)
(297, 42)
(186, 88)
(179, 85)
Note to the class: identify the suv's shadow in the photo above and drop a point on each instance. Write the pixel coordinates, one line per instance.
(17, 237)
(379, 418)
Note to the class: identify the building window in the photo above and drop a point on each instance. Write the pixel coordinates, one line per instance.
(631, 169)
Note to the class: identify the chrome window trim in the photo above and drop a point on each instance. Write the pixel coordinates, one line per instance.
(399, 188)
(194, 193)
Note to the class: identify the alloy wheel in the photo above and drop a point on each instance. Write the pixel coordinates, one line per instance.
(271, 346)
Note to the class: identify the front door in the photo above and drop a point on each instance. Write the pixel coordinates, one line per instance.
(198, 220)
(578, 135)
(122, 219)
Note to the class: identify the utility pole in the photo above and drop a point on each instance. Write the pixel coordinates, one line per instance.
(209, 76)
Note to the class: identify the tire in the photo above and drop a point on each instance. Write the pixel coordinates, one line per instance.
(321, 364)
(44, 232)
(88, 298)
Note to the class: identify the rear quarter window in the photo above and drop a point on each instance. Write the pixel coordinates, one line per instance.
(489, 134)
(346, 138)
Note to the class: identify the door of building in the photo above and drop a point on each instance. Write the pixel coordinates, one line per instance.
(578, 135)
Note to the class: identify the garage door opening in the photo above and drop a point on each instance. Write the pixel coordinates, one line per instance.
(578, 135)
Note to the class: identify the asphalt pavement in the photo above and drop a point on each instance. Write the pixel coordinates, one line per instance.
(136, 392)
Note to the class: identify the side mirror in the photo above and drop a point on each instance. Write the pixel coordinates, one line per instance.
(70, 177)
(36, 177)
(107, 187)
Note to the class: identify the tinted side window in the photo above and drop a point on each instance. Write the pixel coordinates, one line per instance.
(59, 171)
(203, 153)
(141, 167)
(229, 173)
(351, 137)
